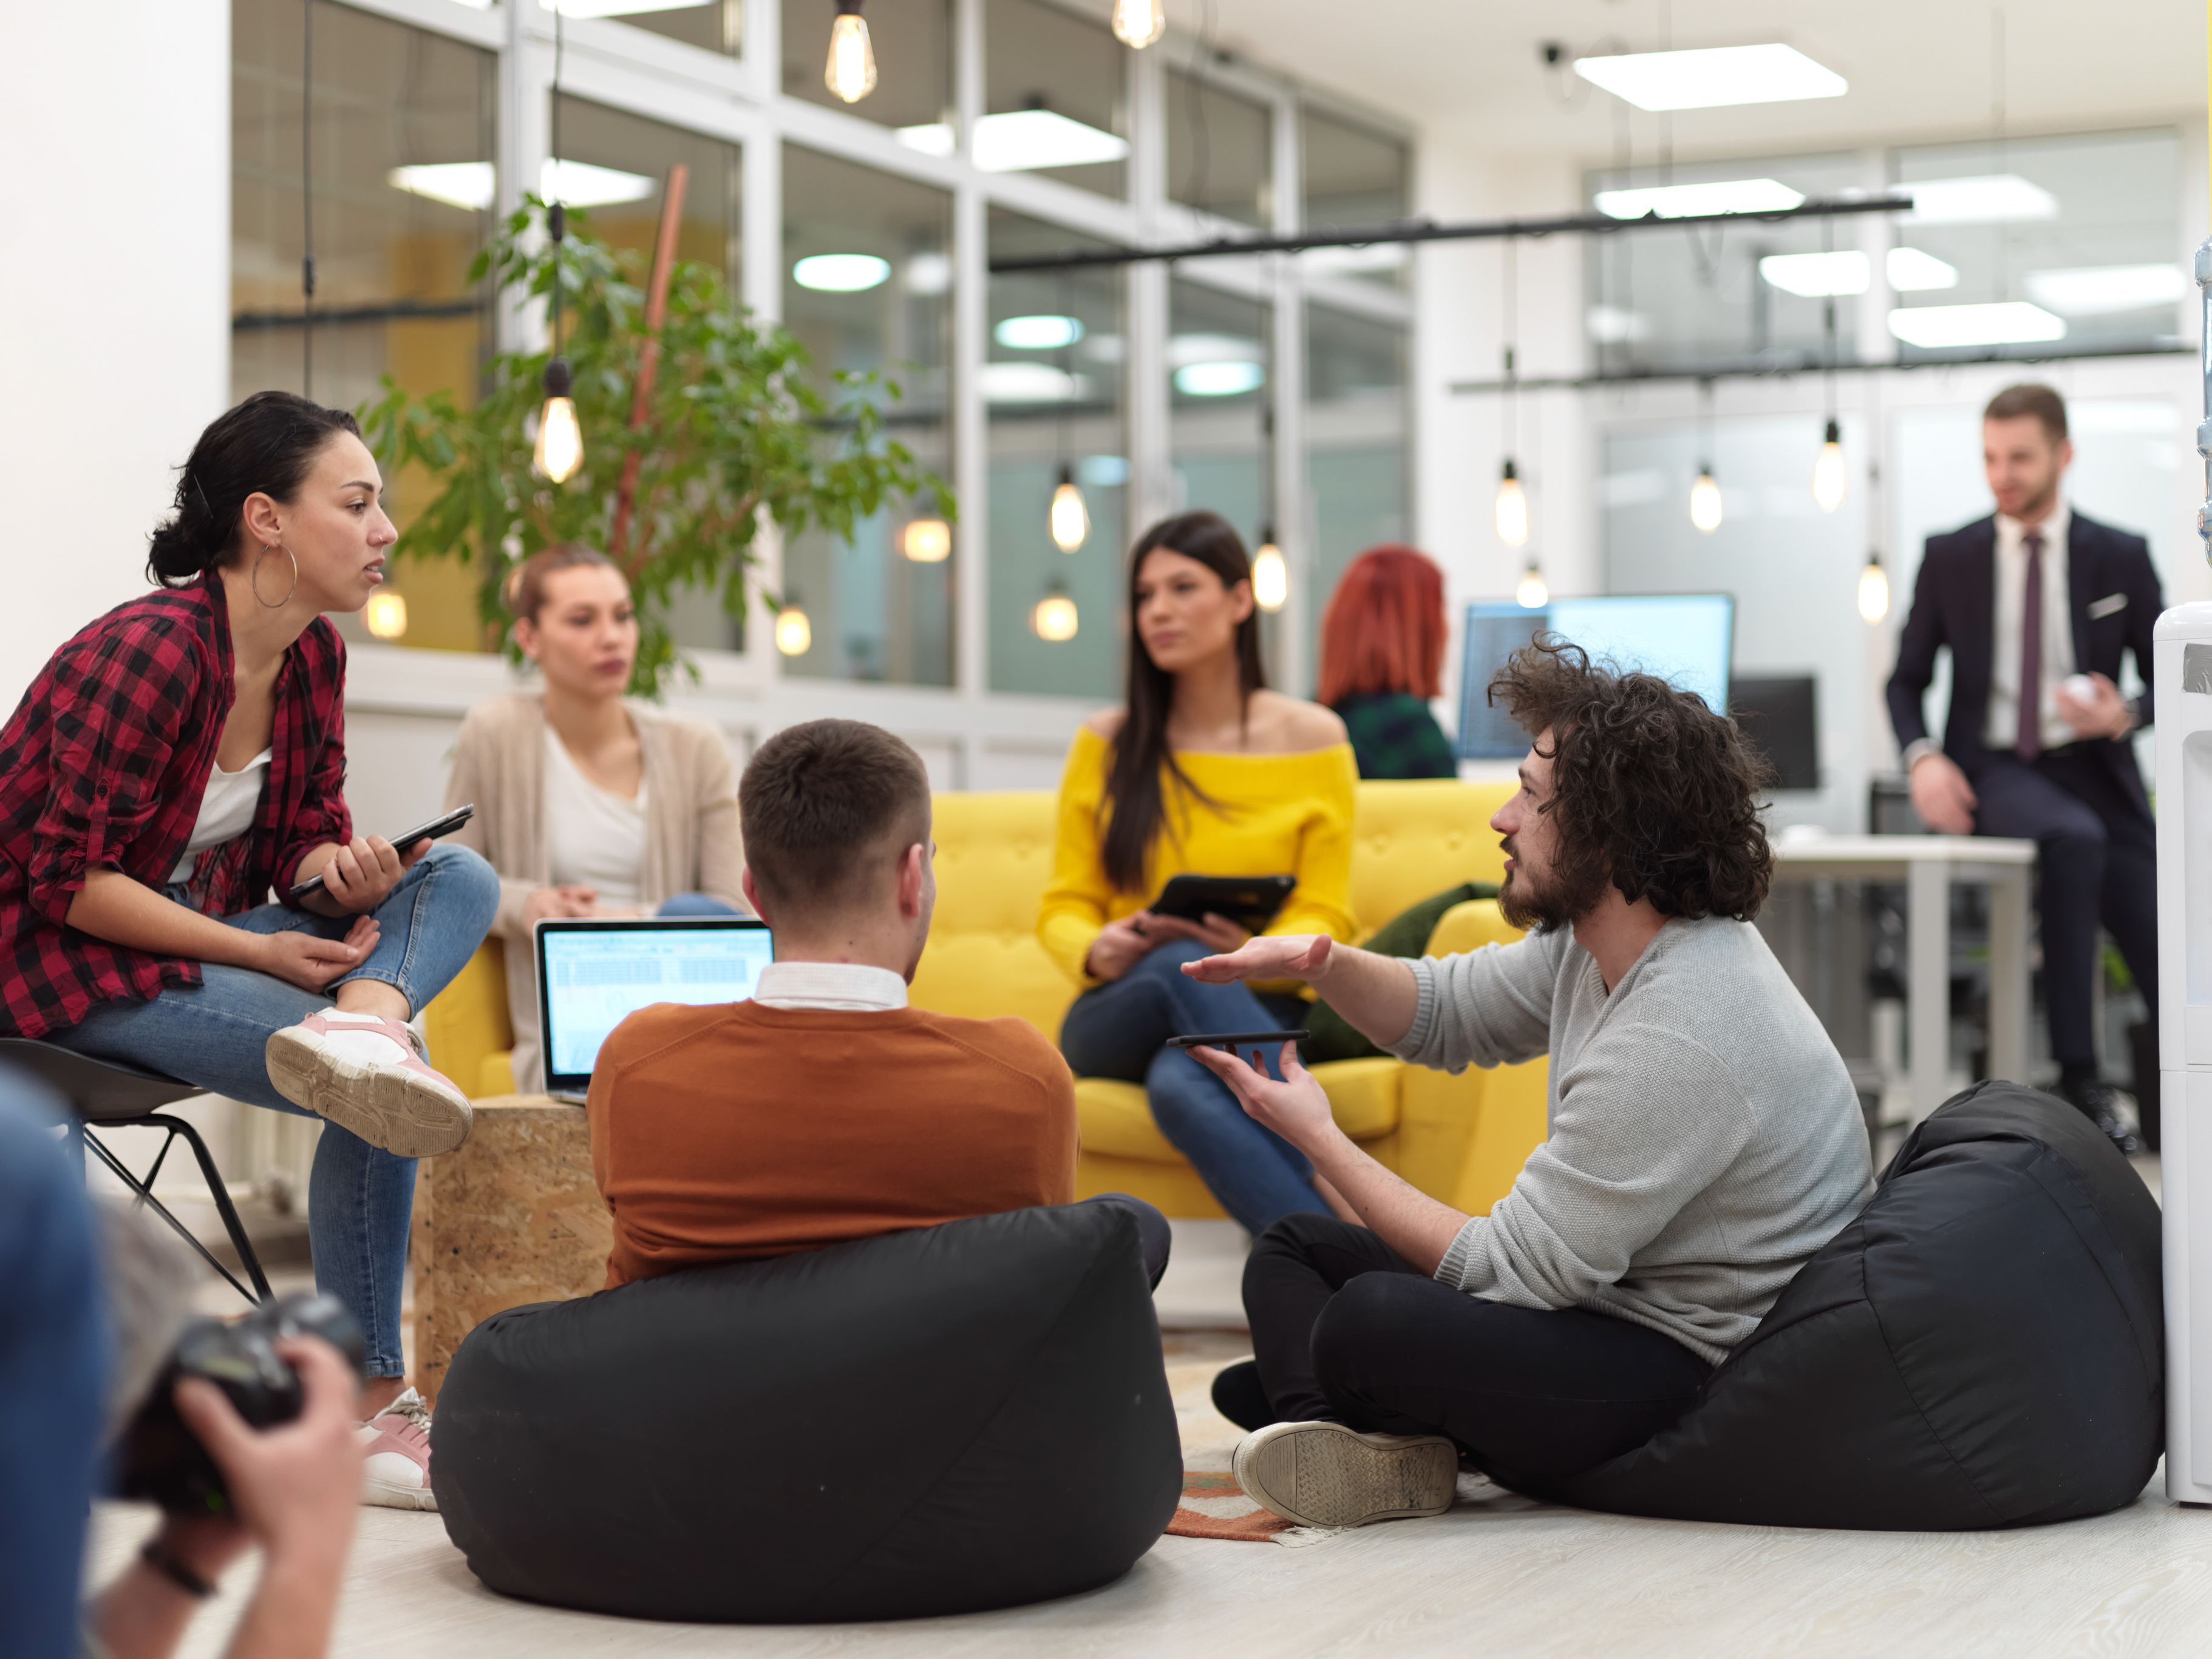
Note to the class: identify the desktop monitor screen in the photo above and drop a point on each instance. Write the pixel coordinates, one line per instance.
(594, 975)
(1683, 637)
(1779, 715)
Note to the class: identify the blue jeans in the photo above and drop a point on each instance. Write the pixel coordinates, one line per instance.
(359, 1198)
(53, 1374)
(1117, 1030)
(696, 904)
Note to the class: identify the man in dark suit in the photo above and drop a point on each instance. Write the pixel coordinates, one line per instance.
(2037, 605)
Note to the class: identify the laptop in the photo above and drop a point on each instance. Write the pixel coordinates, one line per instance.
(592, 975)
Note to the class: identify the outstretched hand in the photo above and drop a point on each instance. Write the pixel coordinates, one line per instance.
(1296, 1108)
(1293, 956)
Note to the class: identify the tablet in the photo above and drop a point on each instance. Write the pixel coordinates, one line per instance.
(1250, 901)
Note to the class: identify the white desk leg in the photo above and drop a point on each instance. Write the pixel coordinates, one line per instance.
(1927, 914)
(2008, 975)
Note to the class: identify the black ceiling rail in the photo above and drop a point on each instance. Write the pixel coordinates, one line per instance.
(1812, 363)
(1428, 230)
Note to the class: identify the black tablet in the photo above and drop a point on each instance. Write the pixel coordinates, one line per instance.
(1250, 901)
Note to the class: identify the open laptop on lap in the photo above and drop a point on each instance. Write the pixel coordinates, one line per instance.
(592, 975)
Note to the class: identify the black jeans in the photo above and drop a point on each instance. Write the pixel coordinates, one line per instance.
(2096, 862)
(1346, 1329)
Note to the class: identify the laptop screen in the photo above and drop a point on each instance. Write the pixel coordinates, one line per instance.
(592, 976)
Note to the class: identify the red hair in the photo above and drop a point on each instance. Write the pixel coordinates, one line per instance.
(1384, 627)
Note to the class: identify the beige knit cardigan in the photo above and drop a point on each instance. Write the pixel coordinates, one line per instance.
(692, 842)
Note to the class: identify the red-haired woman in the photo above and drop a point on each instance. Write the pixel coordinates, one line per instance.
(1382, 648)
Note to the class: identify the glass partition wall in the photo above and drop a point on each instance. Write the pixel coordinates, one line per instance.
(433, 116)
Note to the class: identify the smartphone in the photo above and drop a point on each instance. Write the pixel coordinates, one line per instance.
(444, 824)
(1235, 1039)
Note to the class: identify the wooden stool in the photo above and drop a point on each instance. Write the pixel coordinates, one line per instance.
(511, 1218)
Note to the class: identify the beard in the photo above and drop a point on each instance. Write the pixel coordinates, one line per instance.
(1560, 900)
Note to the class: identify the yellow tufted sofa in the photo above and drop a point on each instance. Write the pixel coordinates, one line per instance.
(1460, 1139)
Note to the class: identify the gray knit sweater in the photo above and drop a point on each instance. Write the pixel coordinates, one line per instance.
(1705, 1137)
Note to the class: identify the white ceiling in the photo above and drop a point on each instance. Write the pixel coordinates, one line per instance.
(1468, 71)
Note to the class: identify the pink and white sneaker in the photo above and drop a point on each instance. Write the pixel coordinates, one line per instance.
(363, 1071)
(396, 1472)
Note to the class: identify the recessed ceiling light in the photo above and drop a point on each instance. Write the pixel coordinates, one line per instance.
(1711, 76)
(841, 273)
(470, 185)
(929, 273)
(1218, 379)
(2005, 323)
(1687, 201)
(1030, 383)
(621, 8)
(1184, 349)
(1612, 326)
(1982, 200)
(1020, 141)
(2098, 290)
(1911, 272)
(1042, 333)
(1816, 276)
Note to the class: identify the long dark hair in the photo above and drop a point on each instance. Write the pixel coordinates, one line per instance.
(263, 446)
(1134, 799)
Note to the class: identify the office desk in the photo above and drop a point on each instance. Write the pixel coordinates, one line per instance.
(1925, 866)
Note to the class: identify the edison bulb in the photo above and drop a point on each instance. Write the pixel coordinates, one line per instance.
(1874, 591)
(794, 634)
(1137, 23)
(386, 614)
(1055, 617)
(851, 71)
(560, 449)
(1831, 477)
(927, 540)
(1705, 501)
(1512, 509)
(1070, 518)
(1271, 577)
(1532, 594)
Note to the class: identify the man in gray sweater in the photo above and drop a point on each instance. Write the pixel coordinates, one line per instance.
(1705, 1137)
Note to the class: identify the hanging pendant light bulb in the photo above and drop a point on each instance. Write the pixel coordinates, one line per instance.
(1271, 573)
(1874, 590)
(1512, 508)
(1705, 500)
(1054, 619)
(560, 449)
(927, 540)
(1070, 518)
(1831, 477)
(1532, 594)
(794, 634)
(1137, 23)
(851, 71)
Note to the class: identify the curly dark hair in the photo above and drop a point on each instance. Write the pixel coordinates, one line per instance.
(1652, 792)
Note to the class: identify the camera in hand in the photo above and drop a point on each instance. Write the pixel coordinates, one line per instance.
(160, 1459)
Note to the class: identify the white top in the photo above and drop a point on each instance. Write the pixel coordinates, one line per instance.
(2002, 729)
(226, 810)
(594, 837)
(841, 987)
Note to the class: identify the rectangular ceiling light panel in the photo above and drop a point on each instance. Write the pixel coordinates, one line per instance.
(2101, 290)
(1712, 77)
(469, 185)
(1988, 198)
(2005, 323)
(1689, 201)
(1021, 141)
(623, 8)
(1820, 275)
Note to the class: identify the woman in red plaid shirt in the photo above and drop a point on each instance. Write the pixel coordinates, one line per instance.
(172, 763)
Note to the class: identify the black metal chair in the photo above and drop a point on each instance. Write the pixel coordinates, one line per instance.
(104, 1095)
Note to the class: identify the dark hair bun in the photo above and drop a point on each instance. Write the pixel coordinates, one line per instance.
(264, 446)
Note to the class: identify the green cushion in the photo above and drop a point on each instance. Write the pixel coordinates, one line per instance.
(1404, 936)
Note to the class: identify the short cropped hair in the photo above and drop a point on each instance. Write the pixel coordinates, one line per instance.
(826, 808)
(2031, 397)
(1653, 793)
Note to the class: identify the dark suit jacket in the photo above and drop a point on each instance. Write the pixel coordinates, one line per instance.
(1954, 602)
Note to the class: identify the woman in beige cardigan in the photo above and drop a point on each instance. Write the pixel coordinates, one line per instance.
(589, 803)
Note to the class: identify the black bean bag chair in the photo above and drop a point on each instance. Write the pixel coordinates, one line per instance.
(1985, 1347)
(961, 1417)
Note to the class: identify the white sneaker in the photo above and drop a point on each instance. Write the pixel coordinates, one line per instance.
(362, 1072)
(395, 1474)
(1324, 1474)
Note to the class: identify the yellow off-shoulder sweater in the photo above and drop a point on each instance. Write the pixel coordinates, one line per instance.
(1273, 815)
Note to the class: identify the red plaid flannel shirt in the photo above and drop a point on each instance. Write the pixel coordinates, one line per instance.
(102, 767)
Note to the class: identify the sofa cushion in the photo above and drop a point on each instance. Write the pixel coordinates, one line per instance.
(1115, 1120)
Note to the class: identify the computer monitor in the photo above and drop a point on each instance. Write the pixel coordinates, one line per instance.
(594, 975)
(1778, 714)
(1683, 637)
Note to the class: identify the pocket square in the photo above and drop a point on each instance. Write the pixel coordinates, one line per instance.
(2106, 606)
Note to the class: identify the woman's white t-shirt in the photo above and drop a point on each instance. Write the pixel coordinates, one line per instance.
(226, 810)
(594, 838)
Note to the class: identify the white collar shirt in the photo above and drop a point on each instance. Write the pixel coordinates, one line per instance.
(833, 987)
(2001, 730)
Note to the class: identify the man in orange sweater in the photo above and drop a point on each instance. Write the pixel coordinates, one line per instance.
(825, 1108)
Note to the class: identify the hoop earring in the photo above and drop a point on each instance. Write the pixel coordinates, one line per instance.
(253, 578)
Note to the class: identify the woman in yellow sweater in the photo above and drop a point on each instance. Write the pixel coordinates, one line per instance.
(1205, 770)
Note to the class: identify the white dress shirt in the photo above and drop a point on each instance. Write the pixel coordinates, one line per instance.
(838, 987)
(2001, 731)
